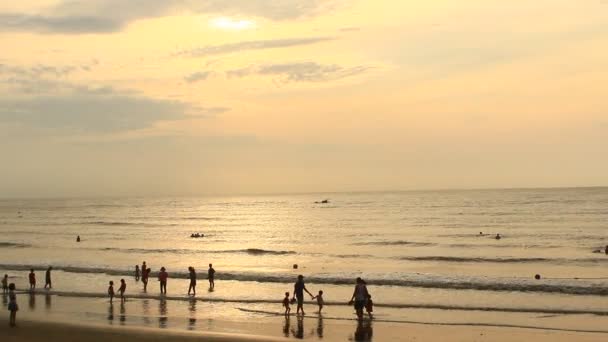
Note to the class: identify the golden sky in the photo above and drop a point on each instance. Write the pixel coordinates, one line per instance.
(172, 97)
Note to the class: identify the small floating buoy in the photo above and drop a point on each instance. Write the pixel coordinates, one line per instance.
(537, 277)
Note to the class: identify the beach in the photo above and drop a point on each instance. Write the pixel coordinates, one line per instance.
(430, 260)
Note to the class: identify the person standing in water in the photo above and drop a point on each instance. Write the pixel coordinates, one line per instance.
(32, 278)
(5, 284)
(12, 305)
(78, 238)
(192, 276)
(360, 296)
(122, 289)
(136, 272)
(298, 293)
(47, 278)
(162, 277)
(211, 276)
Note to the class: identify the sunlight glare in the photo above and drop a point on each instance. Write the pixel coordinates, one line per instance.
(225, 23)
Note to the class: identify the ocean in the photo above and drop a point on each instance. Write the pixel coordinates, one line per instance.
(427, 256)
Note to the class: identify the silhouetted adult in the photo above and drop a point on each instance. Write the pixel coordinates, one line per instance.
(192, 277)
(162, 277)
(298, 293)
(359, 297)
(47, 278)
(211, 276)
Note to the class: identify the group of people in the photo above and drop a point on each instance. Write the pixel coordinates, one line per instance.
(143, 273)
(360, 298)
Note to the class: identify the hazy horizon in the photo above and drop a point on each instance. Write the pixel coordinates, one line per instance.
(184, 98)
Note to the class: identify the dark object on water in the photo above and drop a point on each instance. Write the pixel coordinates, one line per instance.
(325, 201)
(295, 266)
(197, 235)
(606, 250)
(78, 238)
(498, 237)
(537, 277)
(480, 233)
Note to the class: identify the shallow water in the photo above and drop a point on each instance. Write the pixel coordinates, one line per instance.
(417, 250)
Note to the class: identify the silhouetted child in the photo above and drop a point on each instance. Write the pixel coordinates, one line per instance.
(111, 291)
(136, 272)
(12, 304)
(5, 284)
(320, 301)
(286, 304)
(145, 276)
(122, 289)
(32, 277)
(369, 306)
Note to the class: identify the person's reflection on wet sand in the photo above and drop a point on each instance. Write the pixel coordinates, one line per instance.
(286, 327)
(32, 300)
(162, 307)
(47, 301)
(320, 327)
(111, 313)
(364, 331)
(123, 314)
(192, 309)
(299, 333)
(145, 308)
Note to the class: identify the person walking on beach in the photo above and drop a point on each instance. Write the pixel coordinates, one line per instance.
(211, 276)
(111, 291)
(192, 277)
(360, 296)
(136, 272)
(12, 305)
(298, 293)
(320, 300)
(5, 284)
(122, 289)
(286, 304)
(47, 278)
(32, 278)
(145, 275)
(162, 277)
(369, 306)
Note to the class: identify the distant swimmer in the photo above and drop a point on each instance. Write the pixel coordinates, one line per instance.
(325, 201)
(78, 238)
(498, 237)
(606, 250)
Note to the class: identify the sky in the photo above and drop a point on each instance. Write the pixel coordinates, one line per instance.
(194, 97)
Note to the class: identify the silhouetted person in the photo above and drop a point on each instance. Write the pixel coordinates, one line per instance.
(137, 272)
(78, 238)
(286, 304)
(606, 250)
(5, 284)
(122, 290)
(192, 276)
(162, 278)
(320, 301)
(145, 277)
(360, 296)
(211, 276)
(32, 278)
(298, 293)
(369, 306)
(498, 237)
(12, 305)
(111, 291)
(47, 278)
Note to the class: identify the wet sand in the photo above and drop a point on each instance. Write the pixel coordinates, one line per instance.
(60, 331)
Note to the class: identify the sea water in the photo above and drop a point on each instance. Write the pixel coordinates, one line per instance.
(427, 256)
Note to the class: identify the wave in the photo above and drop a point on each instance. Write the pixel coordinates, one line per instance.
(496, 285)
(394, 243)
(251, 251)
(501, 260)
(13, 245)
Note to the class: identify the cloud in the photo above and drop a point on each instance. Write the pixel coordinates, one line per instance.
(197, 76)
(301, 72)
(37, 70)
(104, 16)
(97, 111)
(250, 45)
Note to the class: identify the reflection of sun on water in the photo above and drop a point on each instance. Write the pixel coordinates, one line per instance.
(225, 23)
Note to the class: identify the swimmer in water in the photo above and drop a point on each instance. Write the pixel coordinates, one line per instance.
(498, 237)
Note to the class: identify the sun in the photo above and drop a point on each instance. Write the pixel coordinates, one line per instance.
(225, 23)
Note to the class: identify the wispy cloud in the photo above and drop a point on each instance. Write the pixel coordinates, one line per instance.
(197, 76)
(102, 16)
(97, 110)
(250, 45)
(301, 72)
